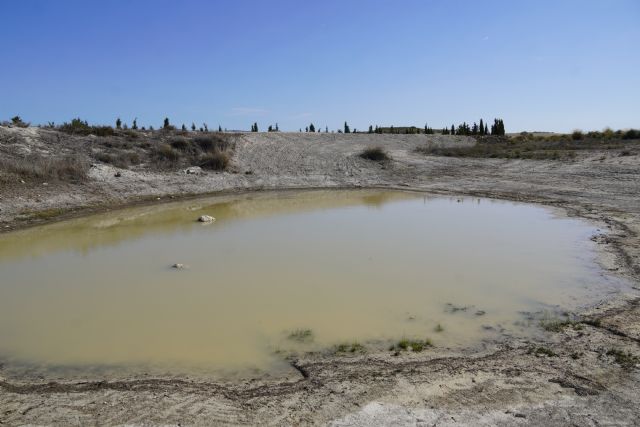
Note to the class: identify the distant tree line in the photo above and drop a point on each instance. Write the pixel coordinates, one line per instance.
(497, 128)
(481, 128)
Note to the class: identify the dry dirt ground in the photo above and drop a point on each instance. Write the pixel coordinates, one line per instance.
(567, 377)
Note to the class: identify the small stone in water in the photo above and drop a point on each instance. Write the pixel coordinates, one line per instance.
(206, 218)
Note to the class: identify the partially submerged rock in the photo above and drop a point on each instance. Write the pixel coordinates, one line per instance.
(206, 218)
(178, 266)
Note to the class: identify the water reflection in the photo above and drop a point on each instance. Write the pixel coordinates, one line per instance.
(346, 265)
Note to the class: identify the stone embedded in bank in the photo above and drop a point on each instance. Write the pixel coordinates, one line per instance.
(193, 170)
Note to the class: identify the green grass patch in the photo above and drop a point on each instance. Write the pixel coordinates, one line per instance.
(557, 325)
(301, 335)
(41, 215)
(626, 360)
(413, 345)
(354, 347)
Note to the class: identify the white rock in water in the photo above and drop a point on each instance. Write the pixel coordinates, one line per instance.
(178, 266)
(206, 218)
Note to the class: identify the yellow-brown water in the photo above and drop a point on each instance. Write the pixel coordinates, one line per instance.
(347, 265)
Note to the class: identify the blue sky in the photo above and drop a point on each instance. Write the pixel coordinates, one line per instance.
(541, 65)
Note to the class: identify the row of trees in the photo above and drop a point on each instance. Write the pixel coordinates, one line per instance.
(497, 128)
(166, 125)
(481, 129)
(462, 129)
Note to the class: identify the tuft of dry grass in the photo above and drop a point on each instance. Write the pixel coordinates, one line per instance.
(69, 168)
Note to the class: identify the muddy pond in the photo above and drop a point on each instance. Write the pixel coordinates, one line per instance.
(282, 272)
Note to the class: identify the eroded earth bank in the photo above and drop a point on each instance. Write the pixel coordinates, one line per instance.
(582, 370)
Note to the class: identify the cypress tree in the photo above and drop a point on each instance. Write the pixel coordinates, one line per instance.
(312, 128)
(481, 127)
(118, 123)
(219, 128)
(134, 126)
(370, 129)
(346, 128)
(498, 127)
(193, 126)
(277, 129)
(184, 128)
(166, 122)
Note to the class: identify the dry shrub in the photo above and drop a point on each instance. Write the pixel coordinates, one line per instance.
(217, 160)
(375, 153)
(166, 153)
(180, 144)
(211, 143)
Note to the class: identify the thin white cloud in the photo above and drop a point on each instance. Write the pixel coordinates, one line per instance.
(485, 38)
(248, 111)
(301, 116)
